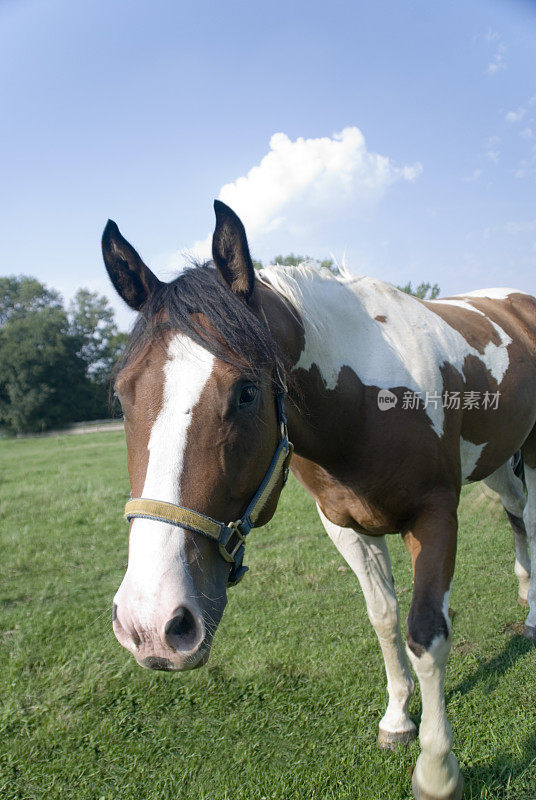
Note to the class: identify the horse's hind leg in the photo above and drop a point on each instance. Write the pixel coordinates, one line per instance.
(510, 489)
(369, 559)
(529, 518)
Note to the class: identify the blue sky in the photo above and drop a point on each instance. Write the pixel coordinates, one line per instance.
(400, 135)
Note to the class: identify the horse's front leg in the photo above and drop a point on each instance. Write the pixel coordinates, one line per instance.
(369, 559)
(431, 542)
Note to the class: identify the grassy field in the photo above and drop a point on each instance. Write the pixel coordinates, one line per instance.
(288, 706)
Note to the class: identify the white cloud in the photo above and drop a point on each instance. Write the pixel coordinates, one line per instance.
(474, 177)
(491, 35)
(527, 166)
(492, 151)
(516, 116)
(498, 61)
(526, 226)
(526, 133)
(300, 183)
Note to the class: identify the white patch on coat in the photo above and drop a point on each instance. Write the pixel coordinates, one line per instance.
(496, 359)
(529, 518)
(511, 491)
(469, 455)
(408, 349)
(445, 607)
(459, 304)
(157, 572)
(499, 293)
(368, 557)
(436, 772)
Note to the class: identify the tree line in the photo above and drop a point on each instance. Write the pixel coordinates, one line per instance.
(424, 290)
(56, 361)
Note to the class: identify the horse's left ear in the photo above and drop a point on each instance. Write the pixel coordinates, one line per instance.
(231, 252)
(133, 280)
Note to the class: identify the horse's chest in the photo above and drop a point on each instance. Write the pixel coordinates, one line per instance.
(356, 506)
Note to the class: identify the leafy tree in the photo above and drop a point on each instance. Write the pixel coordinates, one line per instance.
(93, 323)
(425, 291)
(43, 381)
(54, 365)
(292, 260)
(21, 295)
(100, 344)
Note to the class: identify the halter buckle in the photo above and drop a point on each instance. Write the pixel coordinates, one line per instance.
(231, 540)
(286, 462)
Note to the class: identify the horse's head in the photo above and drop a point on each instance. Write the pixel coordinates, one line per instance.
(198, 389)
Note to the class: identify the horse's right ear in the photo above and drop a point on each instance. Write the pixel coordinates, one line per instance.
(133, 280)
(230, 252)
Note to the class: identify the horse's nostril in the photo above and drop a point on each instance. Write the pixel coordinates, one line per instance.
(114, 612)
(183, 632)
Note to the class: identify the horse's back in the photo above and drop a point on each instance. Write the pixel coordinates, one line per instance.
(510, 309)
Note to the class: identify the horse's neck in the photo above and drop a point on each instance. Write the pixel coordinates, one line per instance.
(310, 325)
(328, 322)
(340, 337)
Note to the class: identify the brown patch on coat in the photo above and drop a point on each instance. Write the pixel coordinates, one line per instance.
(475, 329)
(368, 469)
(228, 449)
(285, 325)
(371, 469)
(431, 541)
(505, 429)
(380, 318)
(140, 387)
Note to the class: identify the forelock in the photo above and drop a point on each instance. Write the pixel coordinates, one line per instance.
(198, 296)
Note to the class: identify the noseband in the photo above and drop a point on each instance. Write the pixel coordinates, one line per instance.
(230, 536)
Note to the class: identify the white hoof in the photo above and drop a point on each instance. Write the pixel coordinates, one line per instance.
(530, 633)
(420, 794)
(390, 740)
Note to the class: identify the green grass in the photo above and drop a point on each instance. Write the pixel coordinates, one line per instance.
(288, 706)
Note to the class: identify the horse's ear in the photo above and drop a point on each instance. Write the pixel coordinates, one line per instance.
(132, 279)
(231, 252)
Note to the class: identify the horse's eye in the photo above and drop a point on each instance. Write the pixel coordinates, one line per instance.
(248, 395)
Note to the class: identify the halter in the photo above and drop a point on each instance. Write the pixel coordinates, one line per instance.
(230, 536)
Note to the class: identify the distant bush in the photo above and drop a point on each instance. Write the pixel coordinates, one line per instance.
(55, 363)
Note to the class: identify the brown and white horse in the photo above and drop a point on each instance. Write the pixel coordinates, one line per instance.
(382, 410)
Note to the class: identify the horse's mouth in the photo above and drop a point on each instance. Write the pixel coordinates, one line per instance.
(155, 662)
(168, 665)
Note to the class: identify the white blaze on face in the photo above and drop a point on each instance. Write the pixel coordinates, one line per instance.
(187, 371)
(156, 572)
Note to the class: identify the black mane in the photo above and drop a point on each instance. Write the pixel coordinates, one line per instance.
(200, 289)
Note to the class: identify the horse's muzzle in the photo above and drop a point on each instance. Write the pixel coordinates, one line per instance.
(179, 644)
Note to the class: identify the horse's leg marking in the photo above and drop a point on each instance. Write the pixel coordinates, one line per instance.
(510, 489)
(529, 518)
(369, 559)
(436, 769)
(432, 544)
